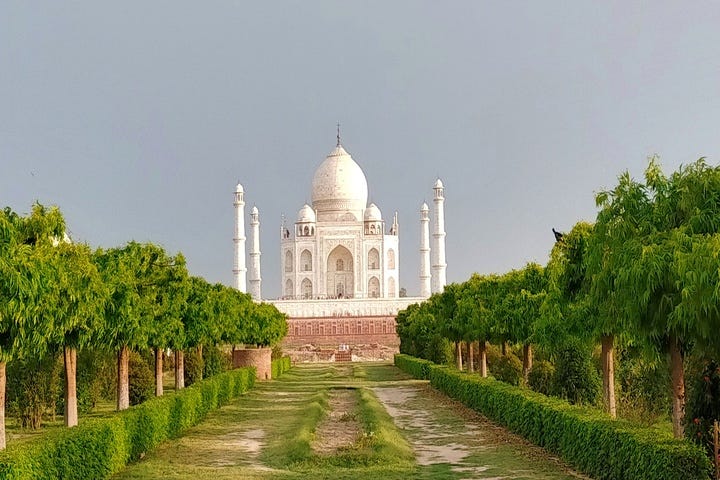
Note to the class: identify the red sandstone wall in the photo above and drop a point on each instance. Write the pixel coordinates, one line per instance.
(260, 358)
(334, 331)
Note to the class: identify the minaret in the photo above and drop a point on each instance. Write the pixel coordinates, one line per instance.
(438, 246)
(239, 269)
(254, 271)
(424, 251)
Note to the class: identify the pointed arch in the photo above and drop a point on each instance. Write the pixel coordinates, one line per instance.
(306, 264)
(373, 287)
(391, 259)
(340, 273)
(391, 287)
(289, 288)
(373, 259)
(306, 288)
(288, 261)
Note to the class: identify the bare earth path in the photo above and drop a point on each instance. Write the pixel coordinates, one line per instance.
(253, 437)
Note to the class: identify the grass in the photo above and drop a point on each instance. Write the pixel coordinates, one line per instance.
(268, 433)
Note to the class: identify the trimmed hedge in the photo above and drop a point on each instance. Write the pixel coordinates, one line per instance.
(279, 366)
(417, 367)
(98, 448)
(585, 437)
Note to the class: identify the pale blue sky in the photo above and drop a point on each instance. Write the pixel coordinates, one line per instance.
(137, 118)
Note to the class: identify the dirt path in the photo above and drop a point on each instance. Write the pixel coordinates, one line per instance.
(257, 436)
(446, 433)
(340, 429)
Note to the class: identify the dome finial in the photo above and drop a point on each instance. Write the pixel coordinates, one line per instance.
(338, 134)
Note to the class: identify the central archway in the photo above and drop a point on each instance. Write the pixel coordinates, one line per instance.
(340, 273)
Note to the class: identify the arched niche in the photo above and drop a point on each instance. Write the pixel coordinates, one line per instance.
(340, 273)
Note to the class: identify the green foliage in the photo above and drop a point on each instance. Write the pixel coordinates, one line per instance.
(142, 379)
(576, 378)
(417, 367)
(703, 407)
(34, 386)
(643, 385)
(508, 369)
(101, 447)
(541, 377)
(194, 366)
(96, 378)
(584, 437)
(215, 361)
(279, 366)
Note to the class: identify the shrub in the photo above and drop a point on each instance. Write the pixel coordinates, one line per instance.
(585, 437)
(96, 378)
(644, 387)
(541, 376)
(194, 366)
(417, 367)
(141, 378)
(215, 361)
(97, 448)
(279, 366)
(703, 406)
(34, 388)
(508, 369)
(576, 378)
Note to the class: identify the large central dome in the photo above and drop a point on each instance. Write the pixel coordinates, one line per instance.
(339, 184)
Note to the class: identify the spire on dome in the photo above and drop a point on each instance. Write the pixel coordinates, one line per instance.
(338, 134)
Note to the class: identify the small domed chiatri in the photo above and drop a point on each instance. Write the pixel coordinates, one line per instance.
(372, 213)
(306, 214)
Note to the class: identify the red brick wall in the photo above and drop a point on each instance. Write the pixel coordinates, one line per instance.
(333, 331)
(260, 358)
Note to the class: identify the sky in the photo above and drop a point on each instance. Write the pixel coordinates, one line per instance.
(137, 118)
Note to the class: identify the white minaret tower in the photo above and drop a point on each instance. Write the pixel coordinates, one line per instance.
(254, 271)
(239, 269)
(438, 246)
(424, 251)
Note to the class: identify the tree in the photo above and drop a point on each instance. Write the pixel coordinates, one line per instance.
(656, 262)
(129, 311)
(24, 329)
(76, 301)
(169, 279)
(475, 306)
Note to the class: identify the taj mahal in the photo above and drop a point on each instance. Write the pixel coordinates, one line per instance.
(340, 261)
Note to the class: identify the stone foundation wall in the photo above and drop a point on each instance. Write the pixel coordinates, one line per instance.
(260, 358)
(334, 331)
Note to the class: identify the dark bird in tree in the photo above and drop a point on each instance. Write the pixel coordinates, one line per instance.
(558, 235)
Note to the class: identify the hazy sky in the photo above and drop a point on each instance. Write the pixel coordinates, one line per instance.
(138, 118)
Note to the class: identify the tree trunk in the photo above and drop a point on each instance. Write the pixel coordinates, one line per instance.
(608, 366)
(458, 351)
(3, 381)
(482, 350)
(158, 372)
(71, 406)
(527, 360)
(504, 348)
(123, 385)
(179, 370)
(677, 373)
(471, 360)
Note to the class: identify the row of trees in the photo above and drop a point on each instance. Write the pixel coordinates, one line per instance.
(645, 275)
(58, 296)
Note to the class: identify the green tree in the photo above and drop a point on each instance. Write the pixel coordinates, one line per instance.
(170, 285)
(128, 313)
(24, 330)
(656, 263)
